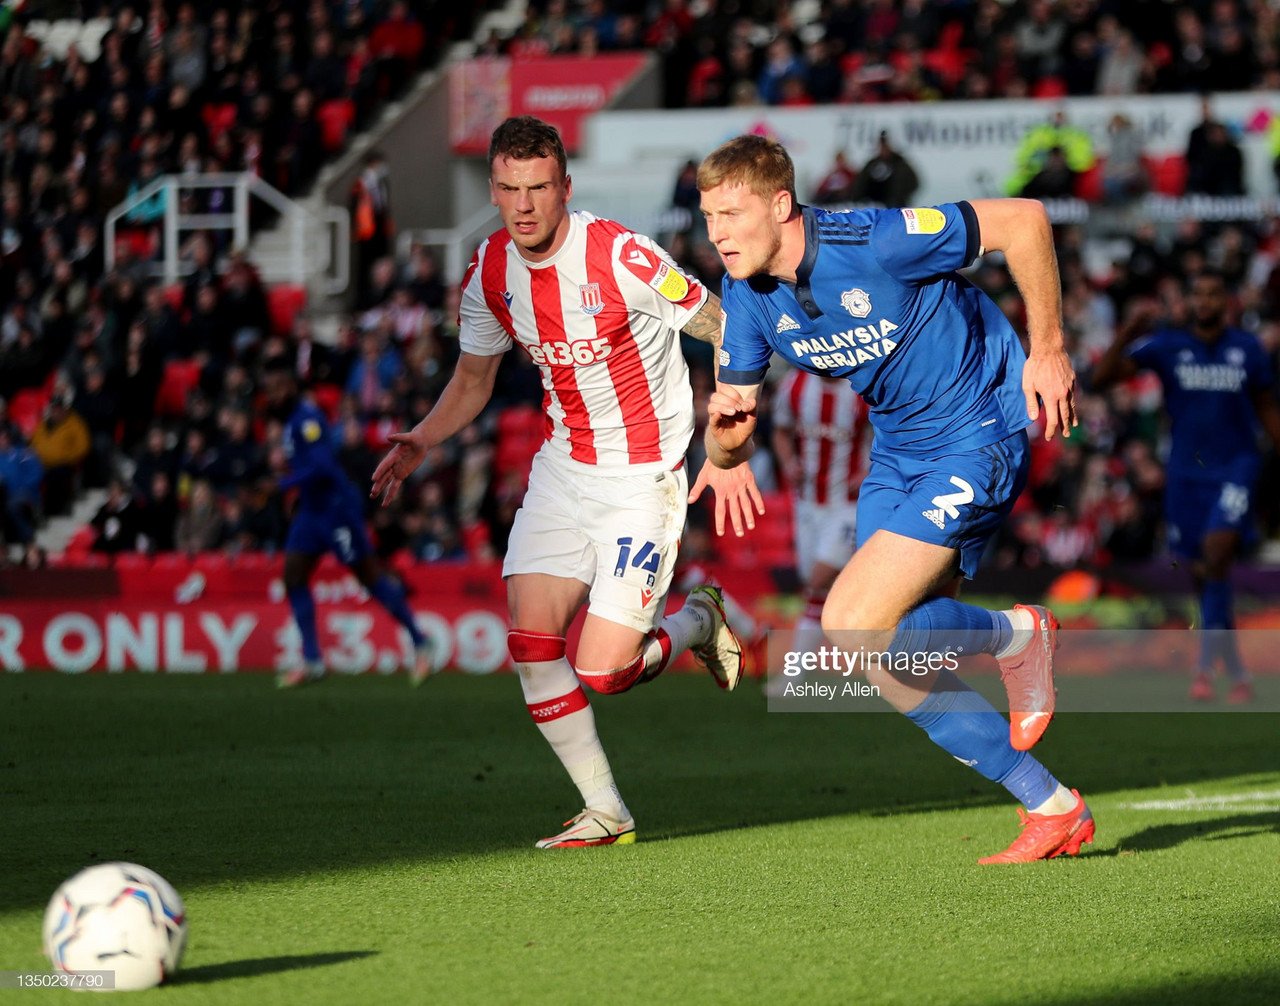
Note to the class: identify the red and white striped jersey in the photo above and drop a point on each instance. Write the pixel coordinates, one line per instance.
(831, 432)
(601, 318)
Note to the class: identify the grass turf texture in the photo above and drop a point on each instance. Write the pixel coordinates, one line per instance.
(362, 842)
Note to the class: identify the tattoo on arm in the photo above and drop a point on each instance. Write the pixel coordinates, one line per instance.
(705, 325)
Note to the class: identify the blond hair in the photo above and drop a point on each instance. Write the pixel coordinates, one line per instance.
(761, 164)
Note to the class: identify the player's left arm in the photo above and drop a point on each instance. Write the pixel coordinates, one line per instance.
(1020, 229)
(705, 323)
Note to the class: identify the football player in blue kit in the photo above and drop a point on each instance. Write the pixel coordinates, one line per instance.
(1217, 383)
(873, 296)
(329, 518)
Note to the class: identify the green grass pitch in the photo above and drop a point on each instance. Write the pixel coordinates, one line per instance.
(360, 842)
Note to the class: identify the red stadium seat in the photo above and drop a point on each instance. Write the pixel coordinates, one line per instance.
(520, 420)
(180, 376)
(284, 301)
(335, 119)
(475, 537)
(170, 561)
(211, 562)
(1088, 184)
(1168, 174)
(1049, 87)
(26, 409)
(82, 541)
(132, 562)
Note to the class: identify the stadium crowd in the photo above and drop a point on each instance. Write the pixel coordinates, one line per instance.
(152, 392)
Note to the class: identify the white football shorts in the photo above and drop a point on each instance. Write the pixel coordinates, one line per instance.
(618, 534)
(825, 534)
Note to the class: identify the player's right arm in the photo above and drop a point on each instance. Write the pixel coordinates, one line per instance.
(462, 399)
(1117, 364)
(483, 339)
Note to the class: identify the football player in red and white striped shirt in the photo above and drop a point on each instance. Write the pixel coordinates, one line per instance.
(822, 439)
(599, 309)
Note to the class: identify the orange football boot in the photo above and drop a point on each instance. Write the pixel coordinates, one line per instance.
(1046, 836)
(1028, 679)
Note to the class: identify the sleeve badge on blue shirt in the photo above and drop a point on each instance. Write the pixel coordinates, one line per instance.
(311, 431)
(924, 220)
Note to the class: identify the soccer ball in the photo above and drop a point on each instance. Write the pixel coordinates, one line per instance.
(117, 917)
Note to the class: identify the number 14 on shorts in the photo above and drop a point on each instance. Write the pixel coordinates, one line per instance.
(647, 558)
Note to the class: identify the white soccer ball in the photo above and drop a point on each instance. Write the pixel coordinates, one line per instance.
(117, 917)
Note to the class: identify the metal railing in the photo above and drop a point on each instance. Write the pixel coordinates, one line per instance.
(318, 245)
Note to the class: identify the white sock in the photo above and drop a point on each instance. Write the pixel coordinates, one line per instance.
(1061, 802)
(564, 717)
(1024, 630)
(690, 626)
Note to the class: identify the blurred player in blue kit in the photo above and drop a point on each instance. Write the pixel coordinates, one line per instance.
(329, 517)
(1218, 387)
(873, 296)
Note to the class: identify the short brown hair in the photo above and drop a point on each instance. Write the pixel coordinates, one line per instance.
(762, 164)
(524, 138)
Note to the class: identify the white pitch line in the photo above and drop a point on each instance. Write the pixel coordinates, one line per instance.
(1254, 801)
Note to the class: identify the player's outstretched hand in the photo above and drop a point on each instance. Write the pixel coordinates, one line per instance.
(399, 463)
(736, 491)
(732, 418)
(1050, 376)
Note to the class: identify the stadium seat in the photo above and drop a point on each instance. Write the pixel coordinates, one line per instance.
(1049, 87)
(26, 409)
(180, 376)
(1168, 174)
(82, 541)
(132, 562)
(211, 562)
(170, 561)
(1088, 184)
(284, 301)
(520, 420)
(335, 119)
(475, 536)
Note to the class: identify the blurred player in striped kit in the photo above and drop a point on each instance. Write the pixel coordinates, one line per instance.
(599, 310)
(822, 438)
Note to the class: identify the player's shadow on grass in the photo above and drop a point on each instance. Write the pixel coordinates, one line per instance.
(265, 966)
(1219, 829)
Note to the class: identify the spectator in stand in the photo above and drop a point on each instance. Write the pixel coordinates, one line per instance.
(1120, 69)
(1124, 174)
(158, 515)
(888, 178)
(61, 442)
(822, 71)
(117, 521)
(686, 195)
(200, 526)
(97, 404)
(20, 475)
(371, 223)
(1217, 167)
(238, 459)
(374, 372)
(1040, 36)
(781, 62)
(837, 185)
(1033, 152)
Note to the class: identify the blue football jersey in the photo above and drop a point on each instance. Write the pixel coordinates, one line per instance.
(877, 301)
(1208, 391)
(313, 463)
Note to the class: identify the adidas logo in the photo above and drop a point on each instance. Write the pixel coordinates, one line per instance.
(937, 516)
(787, 324)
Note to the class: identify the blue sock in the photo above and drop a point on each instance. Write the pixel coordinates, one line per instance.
(1215, 622)
(967, 727)
(304, 613)
(388, 593)
(944, 625)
